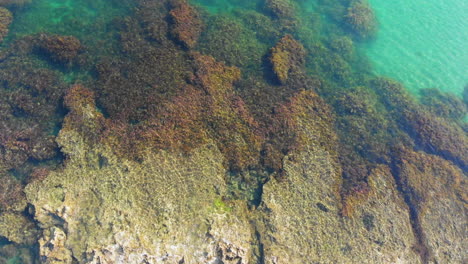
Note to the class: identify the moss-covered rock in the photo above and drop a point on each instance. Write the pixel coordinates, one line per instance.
(12, 254)
(284, 12)
(280, 8)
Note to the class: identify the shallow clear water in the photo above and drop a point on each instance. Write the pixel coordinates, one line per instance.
(422, 43)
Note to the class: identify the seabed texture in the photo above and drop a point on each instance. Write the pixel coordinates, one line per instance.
(223, 132)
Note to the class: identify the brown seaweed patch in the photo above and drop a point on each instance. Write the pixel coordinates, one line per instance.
(186, 24)
(59, 49)
(445, 105)
(287, 56)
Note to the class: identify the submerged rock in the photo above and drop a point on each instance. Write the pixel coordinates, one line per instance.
(438, 192)
(444, 104)
(303, 222)
(5, 19)
(60, 49)
(288, 55)
(360, 18)
(280, 8)
(432, 133)
(186, 23)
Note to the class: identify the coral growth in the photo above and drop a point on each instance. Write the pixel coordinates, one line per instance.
(288, 55)
(186, 24)
(360, 19)
(5, 19)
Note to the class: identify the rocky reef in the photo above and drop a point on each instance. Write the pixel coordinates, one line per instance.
(231, 137)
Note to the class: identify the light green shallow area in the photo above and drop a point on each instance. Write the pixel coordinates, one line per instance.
(422, 43)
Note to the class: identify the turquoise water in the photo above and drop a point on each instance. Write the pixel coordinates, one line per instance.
(422, 43)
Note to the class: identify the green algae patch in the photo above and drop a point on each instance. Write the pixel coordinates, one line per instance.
(221, 206)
